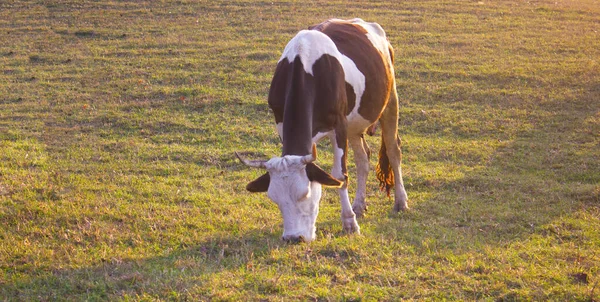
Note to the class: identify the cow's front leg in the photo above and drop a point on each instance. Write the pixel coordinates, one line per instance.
(339, 171)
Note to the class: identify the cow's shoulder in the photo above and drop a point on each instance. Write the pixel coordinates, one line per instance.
(309, 45)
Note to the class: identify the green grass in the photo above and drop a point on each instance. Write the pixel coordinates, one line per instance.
(119, 119)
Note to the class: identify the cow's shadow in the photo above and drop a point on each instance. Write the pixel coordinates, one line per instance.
(175, 271)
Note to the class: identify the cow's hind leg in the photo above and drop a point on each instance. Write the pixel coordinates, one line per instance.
(340, 149)
(391, 148)
(361, 158)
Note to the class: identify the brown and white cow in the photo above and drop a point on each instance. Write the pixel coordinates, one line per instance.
(334, 80)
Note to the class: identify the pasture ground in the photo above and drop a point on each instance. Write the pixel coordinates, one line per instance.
(119, 119)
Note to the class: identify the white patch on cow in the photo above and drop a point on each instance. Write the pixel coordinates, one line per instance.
(310, 45)
(375, 33)
(295, 195)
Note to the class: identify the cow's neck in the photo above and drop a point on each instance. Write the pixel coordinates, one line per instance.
(298, 112)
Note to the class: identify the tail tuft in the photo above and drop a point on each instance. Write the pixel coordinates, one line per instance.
(384, 171)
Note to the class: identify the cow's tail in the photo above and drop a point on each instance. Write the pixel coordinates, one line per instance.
(384, 171)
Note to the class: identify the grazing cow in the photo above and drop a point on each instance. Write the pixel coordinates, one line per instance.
(334, 80)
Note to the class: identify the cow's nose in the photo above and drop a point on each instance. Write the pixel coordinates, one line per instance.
(293, 238)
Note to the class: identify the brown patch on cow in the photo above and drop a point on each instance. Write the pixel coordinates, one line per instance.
(279, 83)
(351, 97)
(352, 41)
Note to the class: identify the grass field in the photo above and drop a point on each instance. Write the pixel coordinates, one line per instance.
(119, 119)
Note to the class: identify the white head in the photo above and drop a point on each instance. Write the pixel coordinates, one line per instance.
(294, 184)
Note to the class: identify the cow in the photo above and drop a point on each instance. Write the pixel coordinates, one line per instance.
(334, 80)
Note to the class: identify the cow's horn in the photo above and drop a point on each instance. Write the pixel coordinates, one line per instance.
(251, 163)
(307, 159)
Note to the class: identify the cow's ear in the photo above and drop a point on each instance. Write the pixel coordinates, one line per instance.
(317, 174)
(260, 184)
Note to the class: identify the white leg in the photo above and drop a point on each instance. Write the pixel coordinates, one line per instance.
(349, 222)
(400, 196)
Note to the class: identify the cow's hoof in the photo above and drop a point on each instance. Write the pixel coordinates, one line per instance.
(400, 206)
(359, 209)
(350, 225)
(293, 239)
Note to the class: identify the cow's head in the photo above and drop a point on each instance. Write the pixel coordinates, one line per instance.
(294, 184)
